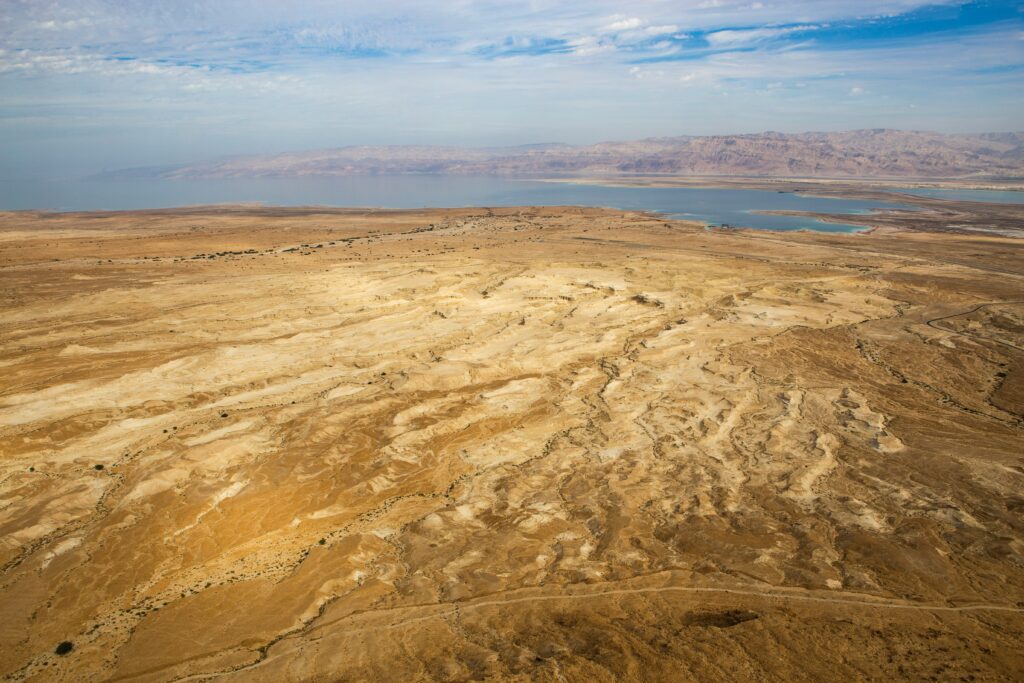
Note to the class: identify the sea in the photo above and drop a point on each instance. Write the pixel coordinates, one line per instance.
(713, 206)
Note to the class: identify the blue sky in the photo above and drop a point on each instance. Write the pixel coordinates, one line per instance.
(93, 84)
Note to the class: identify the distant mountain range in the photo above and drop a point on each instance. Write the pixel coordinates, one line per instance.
(861, 153)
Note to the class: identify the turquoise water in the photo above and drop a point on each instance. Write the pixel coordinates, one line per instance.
(714, 206)
(996, 196)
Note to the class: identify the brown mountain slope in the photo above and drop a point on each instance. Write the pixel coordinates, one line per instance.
(863, 153)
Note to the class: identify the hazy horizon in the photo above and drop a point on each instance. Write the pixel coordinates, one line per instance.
(91, 85)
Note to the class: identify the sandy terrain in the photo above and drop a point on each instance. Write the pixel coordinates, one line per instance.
(521, 444)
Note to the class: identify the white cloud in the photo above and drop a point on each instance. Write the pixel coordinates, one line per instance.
(731, 38)
(586, 46)
(646, 74)
(624, 24)
(661, 30)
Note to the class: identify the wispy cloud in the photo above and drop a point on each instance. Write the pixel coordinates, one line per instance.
(736, 37)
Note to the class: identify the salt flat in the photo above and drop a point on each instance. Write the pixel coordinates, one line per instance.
(509, 444)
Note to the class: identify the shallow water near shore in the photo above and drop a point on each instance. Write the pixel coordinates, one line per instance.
(732, 207)
(968, 195)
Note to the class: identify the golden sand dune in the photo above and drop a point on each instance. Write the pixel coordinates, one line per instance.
(520, 444)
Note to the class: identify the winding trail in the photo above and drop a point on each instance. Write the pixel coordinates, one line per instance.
(443, 610)
(932, 323)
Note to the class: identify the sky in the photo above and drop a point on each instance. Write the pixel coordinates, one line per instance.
(89, 85)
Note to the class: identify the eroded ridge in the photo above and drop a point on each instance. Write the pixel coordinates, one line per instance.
(525, 443)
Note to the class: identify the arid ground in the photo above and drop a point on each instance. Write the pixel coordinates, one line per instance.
(551, 444)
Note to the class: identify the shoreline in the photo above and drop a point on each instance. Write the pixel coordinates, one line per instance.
(769, 182)
(928, 214)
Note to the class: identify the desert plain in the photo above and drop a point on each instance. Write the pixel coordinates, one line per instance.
(536, 443)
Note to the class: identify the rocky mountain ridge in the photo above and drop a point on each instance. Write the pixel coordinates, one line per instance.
(862, 153)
